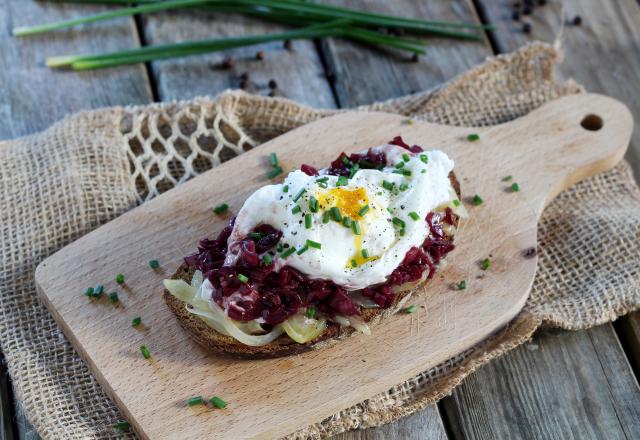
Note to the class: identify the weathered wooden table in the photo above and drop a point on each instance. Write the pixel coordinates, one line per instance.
(562, 384)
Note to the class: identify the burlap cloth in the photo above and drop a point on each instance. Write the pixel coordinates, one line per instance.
(91, 167)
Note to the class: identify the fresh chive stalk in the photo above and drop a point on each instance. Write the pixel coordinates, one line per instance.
(196, 400)
(218, 402)
(220, 208)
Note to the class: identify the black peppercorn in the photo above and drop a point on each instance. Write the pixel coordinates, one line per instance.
(414, 58)
(526, 28)
(515, 16)
(577, 20)
(273, 84)
(287, 44)
(260, 55)
(228, 63)
(526, 10)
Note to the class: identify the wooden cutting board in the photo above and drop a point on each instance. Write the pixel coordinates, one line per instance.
(548, 150)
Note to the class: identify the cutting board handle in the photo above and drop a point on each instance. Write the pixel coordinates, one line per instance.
(572, 138)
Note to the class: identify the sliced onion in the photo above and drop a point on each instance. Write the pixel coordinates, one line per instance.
(363, 301)
(354, 321)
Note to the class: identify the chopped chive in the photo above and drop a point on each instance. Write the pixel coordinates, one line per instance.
(411, 309)
(335, 214)
(346, 222)
(113, 297)
(356, 227)
(387, 185)
(218, 402)
(342, 181)
(403, 187)
(299, 194)
(326, 216)
(302, 250)
(354, 169)
(390, 210)
(296, 209)
(363, 210)
(403, 172)
(407, 121)
(405, 157)
(279, 248)
(477, 200)
(322, 180)
(307, 221)
(122, 426)
(314, 244)
(424, 158)
(275, 172)
(462, 285)
(323, 184)
(515, 187)
(402, 232)
(154, 264)
(313, 204)
(507, 178)
(285, 188)
(242, 278)
(473, 137)
(354, 263)
(423, 171)
(89, 292)
(136, 321)
(220, 208)
(273, 159)
(365, 253)
(414, 215)
(197, 400)
(345, 160)
(398, 222)
(145, 351)
(456, 202)
(255, 235)
(120, 278)
(266, 259)
(287, 252)
(311, 312)
(98, 291)
(485, 264)
(399, 165)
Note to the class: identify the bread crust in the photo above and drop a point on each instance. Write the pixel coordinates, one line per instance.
(209, 338)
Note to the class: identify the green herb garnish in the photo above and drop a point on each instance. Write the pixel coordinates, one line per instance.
(485, 264)
(299, 194)
(266, 259)
(355, 226)
(515, 187)
(313, 204)
(145, 351)
(296, 209)
(399, 165)
(342, 181)
(197, 400)
(275, 172)
(326, 216)
(477, 200)
(113, 297)
(242, 278)
(354, 169)
(354, 263)
(218, 402)
(507, 178)
(122, 426)
(285, 189)
(136, 321)
(398, 222)
(402, 232)
(424, 158)
(302, 250)
(154, 264)
(220, 208)
(346, 222)
(411, 309)
(414, 215)
(403, 172)
(311, 312)
(405, 157)
(89, 292)
(365, 253)
(462, 285)
(335, 214)
(273, 159)
(387, 185)
(287, 252)
(473, 137)
(120, 278)
(307, 221)
(314, 244)
(455, 202)
(255, 235)
(363, 210)
(403, 187)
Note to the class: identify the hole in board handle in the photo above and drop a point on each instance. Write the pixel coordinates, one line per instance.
(592, 122)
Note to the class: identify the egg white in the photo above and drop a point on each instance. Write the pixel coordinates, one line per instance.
(427, 188)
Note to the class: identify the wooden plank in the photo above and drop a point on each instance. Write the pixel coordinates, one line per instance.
(315, 385)
(6, 405)
(564, 394)
(603, 53)
(33, 96)
(298, 72)
(363, 75)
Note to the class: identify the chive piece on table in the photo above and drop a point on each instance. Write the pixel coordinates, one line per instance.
(273, 159)
(307, 221)
(456, 202)
(335, 214)
(515, 187)
(473, 137)
(363, 210)
(314, 244)
(477, 200)
(354, 263)
(414, 215)
(113, 297)
(403, 187)
(402, 232)
(507, 178)
(197, 400)
(154, 264)
(122, 426)
(220, 208)
(275, 172)
(485, 264)
(89, 292)
(399, 165)
(311, 312)
(424, 158)
(266, 259)
(136, 321)
(462, 285)
(365, 253)
(356, 227)
(242, 278)
(120, 278)
(409, 310)
(287, 252)
(145, 351)
(218, 402)
(299, 194)
(326, 217)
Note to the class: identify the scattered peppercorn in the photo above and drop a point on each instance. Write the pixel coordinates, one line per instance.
(228, 63)
(415, 58)
(259, 55)
(526, 28)
(530, 252)
(577, 20)
(273, 84)
(515, 16)
(287, 44)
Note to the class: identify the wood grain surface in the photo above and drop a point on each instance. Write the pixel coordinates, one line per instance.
(561, 152)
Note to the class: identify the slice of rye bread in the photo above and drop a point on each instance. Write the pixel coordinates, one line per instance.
(283, 345)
